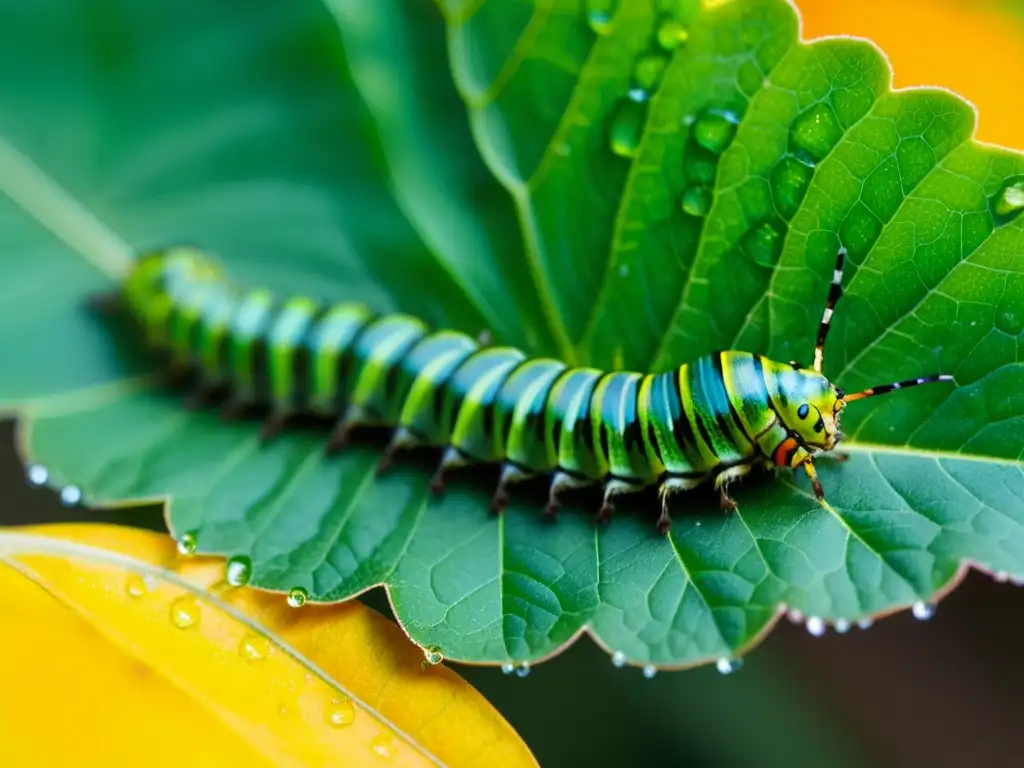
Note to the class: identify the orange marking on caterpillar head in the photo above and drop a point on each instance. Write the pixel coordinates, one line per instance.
(784, 453)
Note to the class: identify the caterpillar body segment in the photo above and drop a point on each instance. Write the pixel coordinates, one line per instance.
(711, 419)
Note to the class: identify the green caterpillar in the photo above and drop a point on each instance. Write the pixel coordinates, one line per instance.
(711, 419)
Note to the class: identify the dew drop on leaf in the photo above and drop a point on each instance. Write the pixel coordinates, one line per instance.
(618, 659)
(185, 612)
(790, 180)
(650, 671)
(37, 475)
(816, 131)
(842, 626)
(383, 746)
(522, 670)
(815, 625)
(648, 70)
(763, 243)
(1010, 199)
(187, 544)
(696, 200)
(599, 15)
(70, 495)
(865, 623)
(727, 666)
(432, 656)
(715, 130)
(135, 586)
(508, 668)
(922, 610)
(297, 597)
(254, 647)
(626, 127)
(238, 571)
(672, 34)
(342, 712)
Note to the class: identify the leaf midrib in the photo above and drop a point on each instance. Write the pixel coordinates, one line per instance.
(13, 544)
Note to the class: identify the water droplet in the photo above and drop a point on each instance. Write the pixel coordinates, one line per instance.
(599, 15)
(815, 625)
(187, 544)
(763, 243)
(790, 180)
(715, 130)
(623, 270)
(618, 659)
(842, 626)
(865, 622)
(922, 610)
(508, 668)
(795, 616)
(671, 34)
(816, 131)
(1001, 576)
(383, 746)
(238, 571)
(342, 712)
(1010, 199)
(626, 126)
(136, 586)
(432, 656)
(650, 671)
(254, 647)
(185, 612)
(70, 495)
(727, 666)
(522, 670)
(37, 475)
(699, 164)
(648, 70)
(297, 597)
(696, 200)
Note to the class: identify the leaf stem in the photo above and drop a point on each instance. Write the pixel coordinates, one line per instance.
(50, 204)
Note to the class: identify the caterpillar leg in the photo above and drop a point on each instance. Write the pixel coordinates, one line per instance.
(562, 481)
(819, 492)
(401, 439)
(273, 425)
(338, 438)
(668, 487)
(614, 487)
(726, 476)
(450, 459)
(510, 473)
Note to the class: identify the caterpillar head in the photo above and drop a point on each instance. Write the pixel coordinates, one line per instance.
(808, 405)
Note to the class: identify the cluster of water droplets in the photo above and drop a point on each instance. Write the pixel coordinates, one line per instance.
(726, 665)
(627, 118)
(812, 136)
(38, 476)
(522, 669)
(817, 626)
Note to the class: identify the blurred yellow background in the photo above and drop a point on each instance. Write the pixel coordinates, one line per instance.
(973, 48)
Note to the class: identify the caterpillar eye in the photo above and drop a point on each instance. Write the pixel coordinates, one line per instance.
(819, 425)
(803, 410)
(840, 393)
(796, 366)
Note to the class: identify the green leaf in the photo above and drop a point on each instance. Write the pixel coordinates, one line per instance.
(570, 213)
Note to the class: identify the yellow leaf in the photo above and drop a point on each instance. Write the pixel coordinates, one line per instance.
(973, 49)
(115, 651)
